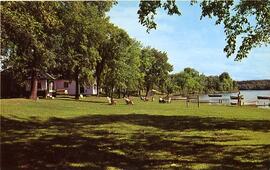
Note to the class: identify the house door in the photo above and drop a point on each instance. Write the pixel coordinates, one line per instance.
(51, 86)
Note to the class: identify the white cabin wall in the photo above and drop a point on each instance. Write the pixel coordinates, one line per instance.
(72, 88)
(43, 84)
(59, 84)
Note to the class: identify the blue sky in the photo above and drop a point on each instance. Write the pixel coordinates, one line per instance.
(191, 42)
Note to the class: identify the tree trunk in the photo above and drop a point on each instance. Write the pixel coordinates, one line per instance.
(77, 93)
(99, 69)
(98, 84)
(119, 93)
(111, 92)
(125, 93)
(107, 92)
(34, 83)
(147, 91)
(97, 87)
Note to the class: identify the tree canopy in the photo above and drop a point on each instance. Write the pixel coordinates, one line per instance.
(27, 37)
(246, 21)
(34, 33)
(155, 68)
(116, 65)
(82, 35)
(76, 41)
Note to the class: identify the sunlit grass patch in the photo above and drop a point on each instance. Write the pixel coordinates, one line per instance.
(81, 165)
(117, 151)
(203, 166)
(68, 108)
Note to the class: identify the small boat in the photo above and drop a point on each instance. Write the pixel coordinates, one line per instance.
(263, 97)
(215, 95)
(250, 103)
(236, 97)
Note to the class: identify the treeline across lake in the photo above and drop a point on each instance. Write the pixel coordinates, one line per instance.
(254, 85)
(191, 81)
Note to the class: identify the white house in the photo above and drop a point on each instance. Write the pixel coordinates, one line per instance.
(45, 82)
(48, 82)
(70, 86)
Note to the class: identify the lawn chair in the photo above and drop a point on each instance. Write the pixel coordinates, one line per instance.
(161, 100)
(165, 100)
(144, 98)
(169, 100)
(49, 96)
(128, 101)
(111, 101)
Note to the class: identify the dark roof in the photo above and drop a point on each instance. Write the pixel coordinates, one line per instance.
(44, 76)
(49, 76)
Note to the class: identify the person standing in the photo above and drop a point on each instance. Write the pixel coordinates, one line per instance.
(239, 99)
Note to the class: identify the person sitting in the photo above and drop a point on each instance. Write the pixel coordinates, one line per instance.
(128, 101)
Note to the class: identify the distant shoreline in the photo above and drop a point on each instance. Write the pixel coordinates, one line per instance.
(253, 85)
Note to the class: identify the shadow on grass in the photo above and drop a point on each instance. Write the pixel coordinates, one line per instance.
(131, 141)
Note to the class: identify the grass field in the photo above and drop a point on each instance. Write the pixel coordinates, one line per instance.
(90, 134)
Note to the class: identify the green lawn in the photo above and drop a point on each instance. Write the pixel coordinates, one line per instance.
(90, 134)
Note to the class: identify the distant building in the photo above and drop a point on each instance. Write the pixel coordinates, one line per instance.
(47, 83)
(70, 86)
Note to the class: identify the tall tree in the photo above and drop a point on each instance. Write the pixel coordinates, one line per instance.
(225, 82)
(147, 60)
(27, 38)
(106, 51)
(132, 74)
(245, 20)
(116, 66)
(155, 68)
(169, 86)
(211, 84)
(84, 31)
(189, 80)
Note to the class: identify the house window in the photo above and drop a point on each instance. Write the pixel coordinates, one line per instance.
(39, 85)
(65, 84)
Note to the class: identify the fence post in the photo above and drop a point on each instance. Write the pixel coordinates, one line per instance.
(187, 100)
(198, 98)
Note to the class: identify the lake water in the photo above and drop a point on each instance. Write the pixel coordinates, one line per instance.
(250, 97)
